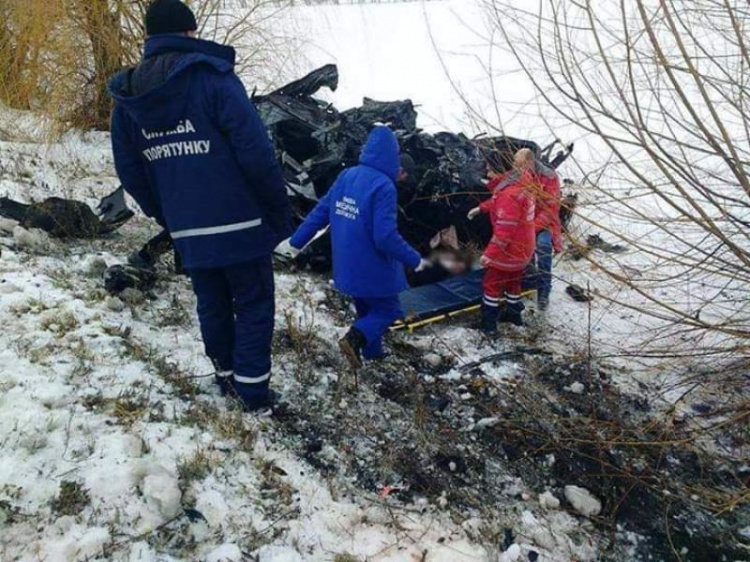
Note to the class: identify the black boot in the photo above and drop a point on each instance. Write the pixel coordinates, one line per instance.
(254, 401)
(489, 319)
(513, 311)
(351, 345)
(223, 380)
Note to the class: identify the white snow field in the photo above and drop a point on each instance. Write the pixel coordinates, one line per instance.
(113, 446)
(435, 53)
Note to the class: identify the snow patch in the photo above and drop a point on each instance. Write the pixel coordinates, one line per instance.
(279, 554)
(162, 491)
(213, 507)
(513, 554)
(34, 240)
(548, 500)
(7, 226)
(583, 501)
(225, 553)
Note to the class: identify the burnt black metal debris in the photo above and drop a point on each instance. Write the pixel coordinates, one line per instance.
(316, 142)
(66, 218)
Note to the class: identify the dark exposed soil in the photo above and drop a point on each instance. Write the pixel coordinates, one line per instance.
(409, 429)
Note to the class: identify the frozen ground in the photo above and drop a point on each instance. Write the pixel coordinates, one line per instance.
(106, 438)
(113, 450)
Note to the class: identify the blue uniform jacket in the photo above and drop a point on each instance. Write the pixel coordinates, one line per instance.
(369, 254)
(192, 151)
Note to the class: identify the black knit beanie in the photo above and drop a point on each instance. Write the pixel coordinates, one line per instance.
(169, 16)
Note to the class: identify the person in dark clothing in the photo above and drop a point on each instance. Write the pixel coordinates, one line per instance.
(548, 226)
(407, 176)
(369, 254)
(190, 148)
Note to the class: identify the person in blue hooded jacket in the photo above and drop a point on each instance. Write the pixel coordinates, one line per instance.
(190, 148)
(369, 253)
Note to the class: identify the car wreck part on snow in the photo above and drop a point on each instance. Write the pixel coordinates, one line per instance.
(141, 264)
(119, 278)
(65, 218)
(140, 271)
(596, 242)
(113, 209)
(58, 217)
(149, 254)
(324, 77)
(578, 293)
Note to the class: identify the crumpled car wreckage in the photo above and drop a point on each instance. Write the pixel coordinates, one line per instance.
(315, 142)
(65, 218)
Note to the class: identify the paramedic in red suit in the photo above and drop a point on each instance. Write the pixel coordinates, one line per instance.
(548, 228)
(512, 212)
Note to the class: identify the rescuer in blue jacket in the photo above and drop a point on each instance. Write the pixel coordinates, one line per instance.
(190, 148)
(369, 254)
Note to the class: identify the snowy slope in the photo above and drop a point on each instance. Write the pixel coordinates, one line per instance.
(435, 53)
(107, 437)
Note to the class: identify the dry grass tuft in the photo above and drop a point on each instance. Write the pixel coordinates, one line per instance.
(57, 56)
(195, 468)
(71, 500)
(228, 424)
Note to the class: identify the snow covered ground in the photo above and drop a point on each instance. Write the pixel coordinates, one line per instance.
(113, 450)
(435, 53)
(107, 439)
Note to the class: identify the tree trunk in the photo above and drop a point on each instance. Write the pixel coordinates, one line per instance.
(102, 26)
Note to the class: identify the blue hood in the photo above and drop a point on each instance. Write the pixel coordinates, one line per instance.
(161, 105)
(382, 152)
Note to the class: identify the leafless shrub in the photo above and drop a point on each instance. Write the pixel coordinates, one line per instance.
(659, 91)
(660, 88)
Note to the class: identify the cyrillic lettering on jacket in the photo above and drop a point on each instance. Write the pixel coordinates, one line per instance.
(175, 149)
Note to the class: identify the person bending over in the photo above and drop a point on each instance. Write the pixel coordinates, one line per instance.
(369, 253)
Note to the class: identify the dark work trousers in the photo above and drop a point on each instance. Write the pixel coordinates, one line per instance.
(544, 253)
(236, 309)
